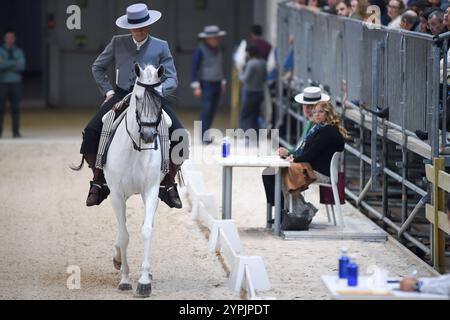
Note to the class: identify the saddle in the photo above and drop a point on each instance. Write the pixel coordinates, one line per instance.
(111, 121)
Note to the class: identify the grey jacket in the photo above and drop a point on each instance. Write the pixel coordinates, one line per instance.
(211, 67)
(254, 75)
(122, 53)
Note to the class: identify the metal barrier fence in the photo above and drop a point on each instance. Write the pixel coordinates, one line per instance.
(368, 68)
(382, 67)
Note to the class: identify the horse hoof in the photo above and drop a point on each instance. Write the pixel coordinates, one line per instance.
(125, 287)
(143, 290)
(117, 264)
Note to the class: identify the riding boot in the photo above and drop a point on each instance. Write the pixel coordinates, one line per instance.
(98, 191)
(168, 189)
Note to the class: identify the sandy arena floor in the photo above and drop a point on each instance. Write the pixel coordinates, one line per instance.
(45, 227)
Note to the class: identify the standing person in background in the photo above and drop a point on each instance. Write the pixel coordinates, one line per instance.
(264, 49)
(253, 79)
(12, 65)
(208, 79)
(257, 40)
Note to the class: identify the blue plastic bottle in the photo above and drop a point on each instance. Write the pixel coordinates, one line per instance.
(352, 273)
(343, 263)
(225, 147)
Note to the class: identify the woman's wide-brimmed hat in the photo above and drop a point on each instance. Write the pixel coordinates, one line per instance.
(311, 95)
(211, 32)
(138, 16)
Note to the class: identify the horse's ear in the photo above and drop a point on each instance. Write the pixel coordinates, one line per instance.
(137, 70)
(161, 71)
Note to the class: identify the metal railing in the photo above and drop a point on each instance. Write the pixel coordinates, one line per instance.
(367, 68)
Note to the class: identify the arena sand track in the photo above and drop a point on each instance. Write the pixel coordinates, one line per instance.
(45, 227)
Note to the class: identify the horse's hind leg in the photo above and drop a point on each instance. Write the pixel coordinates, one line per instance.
(120, 260)
(151, 201)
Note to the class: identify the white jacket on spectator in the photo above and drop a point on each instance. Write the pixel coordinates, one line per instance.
(395, 24)
(240, 56)
(271, 61)
(437, 285)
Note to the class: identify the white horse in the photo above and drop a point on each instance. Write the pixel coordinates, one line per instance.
(130, 170)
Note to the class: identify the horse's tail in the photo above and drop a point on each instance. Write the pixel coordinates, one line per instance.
(80, 166)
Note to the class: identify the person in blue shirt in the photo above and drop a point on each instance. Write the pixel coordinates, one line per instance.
(12, 65)
(208, 77)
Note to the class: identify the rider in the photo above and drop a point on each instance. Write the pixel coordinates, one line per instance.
(124, 51)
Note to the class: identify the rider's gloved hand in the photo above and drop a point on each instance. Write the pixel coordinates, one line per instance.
(159, 89)
(109, 95)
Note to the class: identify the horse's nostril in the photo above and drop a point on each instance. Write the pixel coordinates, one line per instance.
(148, 135)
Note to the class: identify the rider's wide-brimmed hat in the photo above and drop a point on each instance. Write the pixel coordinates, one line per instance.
(138, 16)
(211, 32)
(311, 95)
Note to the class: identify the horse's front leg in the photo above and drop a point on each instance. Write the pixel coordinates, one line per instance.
(120, 260)
(150, 198)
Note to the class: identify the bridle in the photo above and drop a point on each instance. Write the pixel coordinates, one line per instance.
(154, 124)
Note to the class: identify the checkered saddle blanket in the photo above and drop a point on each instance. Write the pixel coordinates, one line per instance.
(111, 121)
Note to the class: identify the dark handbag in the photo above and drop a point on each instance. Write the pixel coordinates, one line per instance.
(293, 222)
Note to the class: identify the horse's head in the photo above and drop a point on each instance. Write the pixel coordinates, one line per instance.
(148, 101)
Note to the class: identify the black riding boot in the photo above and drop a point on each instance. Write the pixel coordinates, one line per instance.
(98, 191)
(168, 189)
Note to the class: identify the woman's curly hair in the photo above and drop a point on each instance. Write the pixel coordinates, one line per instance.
(332, 118)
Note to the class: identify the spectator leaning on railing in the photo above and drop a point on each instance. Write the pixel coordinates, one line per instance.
(343, 8)
(409, 20)
(423, 20)
(395, 9)
(436, 22)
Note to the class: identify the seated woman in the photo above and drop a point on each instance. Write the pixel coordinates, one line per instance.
(322, 141)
